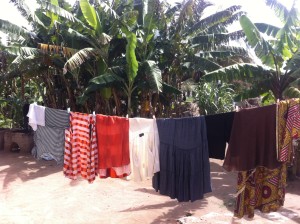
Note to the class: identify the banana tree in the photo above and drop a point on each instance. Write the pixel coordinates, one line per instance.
(278, 50)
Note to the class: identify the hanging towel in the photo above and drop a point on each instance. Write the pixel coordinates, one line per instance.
(49, 143)
(36, 115)
(113, 146)
(253, 140)
(57, 118)
(184, 162)
(218, 133)
(50, 139)
(143, 146)
(81, 153)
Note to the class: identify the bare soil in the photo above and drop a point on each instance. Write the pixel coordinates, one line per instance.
(34, 191)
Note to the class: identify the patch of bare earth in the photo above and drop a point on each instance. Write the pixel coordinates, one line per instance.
(37, 192)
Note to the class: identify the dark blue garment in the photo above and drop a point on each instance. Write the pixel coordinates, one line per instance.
(184, 161)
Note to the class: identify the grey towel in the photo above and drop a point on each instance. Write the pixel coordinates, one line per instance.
(50, 140)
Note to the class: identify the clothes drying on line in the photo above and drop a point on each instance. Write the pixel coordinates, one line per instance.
(36, 116)
(253, 140)
(144, 148)
(81, 152)
(218, 133)
(50, 139)
(288, 128)
(183, 156)
(113, 146)
(262, 189)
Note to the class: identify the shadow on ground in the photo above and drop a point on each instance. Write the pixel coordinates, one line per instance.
(14, 164)
(224, 188)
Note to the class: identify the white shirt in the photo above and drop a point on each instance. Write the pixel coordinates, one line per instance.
(144, 148)
(36, 115)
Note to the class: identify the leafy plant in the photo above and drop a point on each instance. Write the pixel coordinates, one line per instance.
(214, 98)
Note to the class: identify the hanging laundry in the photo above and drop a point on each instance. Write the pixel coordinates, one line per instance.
(288, 128)
(253, 140)
(218, 133)
(81, 152)
(50, 139)
(113, 146)
(262, 189)
(36, 115)
(143, 146)
(56, 118)
(184, 162)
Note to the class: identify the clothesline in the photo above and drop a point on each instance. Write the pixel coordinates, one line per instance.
(176, 151)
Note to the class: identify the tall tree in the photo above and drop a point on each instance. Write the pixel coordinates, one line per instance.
(278, 74)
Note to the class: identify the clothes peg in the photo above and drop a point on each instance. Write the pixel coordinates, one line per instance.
(126, 115)
(153, 116)
(68, 109)
(94, 114)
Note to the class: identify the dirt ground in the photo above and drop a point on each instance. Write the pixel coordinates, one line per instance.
(37, 192)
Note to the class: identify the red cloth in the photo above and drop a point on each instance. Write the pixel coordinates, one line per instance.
(113, 146)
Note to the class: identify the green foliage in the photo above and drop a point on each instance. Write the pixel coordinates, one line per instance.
(153, 75)
(213, 98)
(90, 15)
(132, 63)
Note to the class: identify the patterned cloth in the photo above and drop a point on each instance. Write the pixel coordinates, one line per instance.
(50, 139)
(81, 152)
(262, 189)
(57, 118)
(49, 144)
(288, 128)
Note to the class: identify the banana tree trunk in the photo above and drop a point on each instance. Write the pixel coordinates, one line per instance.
(72, 101)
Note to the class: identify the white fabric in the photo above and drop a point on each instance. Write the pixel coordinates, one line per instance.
(36, 115)
(144, 148)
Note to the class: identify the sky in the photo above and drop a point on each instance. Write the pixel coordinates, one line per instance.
(256, 10)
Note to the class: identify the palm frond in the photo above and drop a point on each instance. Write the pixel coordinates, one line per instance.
(225, 17)
(185, 12)
(8, 27)
(56, 49)
(244, 71)
(205, 64)
(27, 12)
(79, 58)
(63, 13)
(153, 74)
(216, 38)
(21, 59)
(262, 48)
(81, 37)
(109, 10)
(102, 81)
(132, 63)
(280, 10)
(268, 29)
(90, 15)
